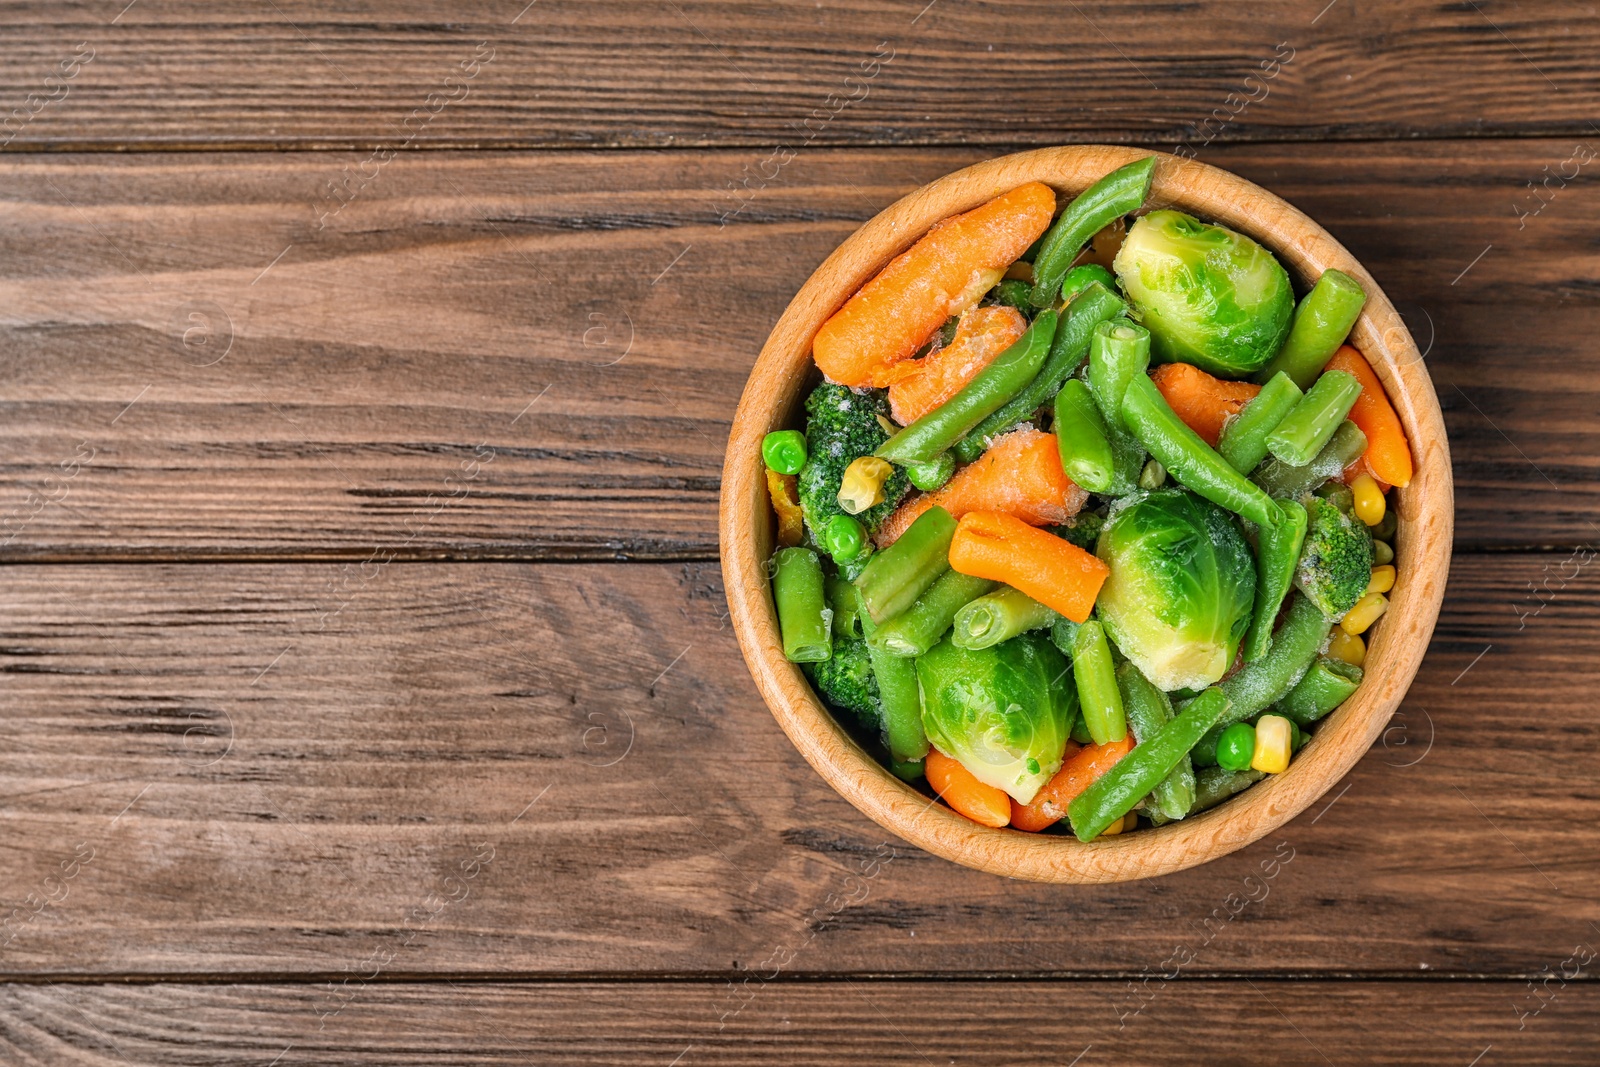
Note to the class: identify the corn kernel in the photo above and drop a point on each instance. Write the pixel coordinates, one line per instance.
(1347, 647)
(1382, 579)
(1368, 610)
(1115, 828)
(1381, 552)
(862, 484)
(1272, 745)
(1370, 505)
(1130, 821)
(1021, 270)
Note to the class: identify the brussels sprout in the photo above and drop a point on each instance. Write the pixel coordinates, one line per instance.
(1207, 295)
(1181, 588)
(1004, 712)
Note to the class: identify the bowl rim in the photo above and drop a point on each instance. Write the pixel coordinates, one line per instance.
(1425, 510)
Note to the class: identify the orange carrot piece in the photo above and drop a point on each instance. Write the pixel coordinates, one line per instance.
(785, 495)
(1020, 475)
(1203, 402)
(1387, 456)
(983, 334)
(943, 274)
(1003, 548)
(1082, 767)
(979, 802)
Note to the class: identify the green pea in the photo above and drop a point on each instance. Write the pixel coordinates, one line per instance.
(1082, 275)
(1236, 747)
(784, 451)
(844, 537)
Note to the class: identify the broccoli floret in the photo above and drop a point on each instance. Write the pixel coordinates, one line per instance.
(846, 681)
(1083, 529)
(842, 426)
(1336, 562)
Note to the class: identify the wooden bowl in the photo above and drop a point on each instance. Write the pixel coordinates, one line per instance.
(772, 400)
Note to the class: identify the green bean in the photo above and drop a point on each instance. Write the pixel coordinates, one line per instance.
(1204, 753)
(1063, 634)
(1079, 277)
(1282, 480)
(845, 603)
(919, 627)
(1244, 438)
(1094, 305)
(901, 701)
(1277, 552)
(999, 616)
(784, 451)
(894, 578)
(803, 617)
(1118, 193)
(1115, 792)
(1214, 785)
(1096, 679)
(1082, 439)
(844, 538)
(1321, 323)
(1188, 458)
(1255, 686)
(1307, 429)
(1328, 682)
(1080, 732)
(1148, 711)
(999, 382)
(908, 771)
(1118, 353)
(930, 476)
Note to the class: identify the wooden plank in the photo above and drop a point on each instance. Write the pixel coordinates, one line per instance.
(1229, 1024)
(538, 356)
(481, 769)
(720, 72)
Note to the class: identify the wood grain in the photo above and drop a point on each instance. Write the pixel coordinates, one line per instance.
(368, 360)
(266, 797)
(1228, 1024)
(563, 73)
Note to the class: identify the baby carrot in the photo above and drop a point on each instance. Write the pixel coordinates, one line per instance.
(983, 333)
(1203, 402)
(981, 803)
(1082, 767)
(1020, 475)
(1387, 456)
(943, 274)
(1003, 548)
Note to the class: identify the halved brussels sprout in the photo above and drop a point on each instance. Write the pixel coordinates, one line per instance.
(1181, 588)
(1003, 712)
(1208, 296)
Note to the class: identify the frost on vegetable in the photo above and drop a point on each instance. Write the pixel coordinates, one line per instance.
(1336, 562)
(1004, 712)
(1181, 588)
(1209, 296)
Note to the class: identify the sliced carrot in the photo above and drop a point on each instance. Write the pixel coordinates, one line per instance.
(979, 802)
(1003, 548)
(1203, 402)
(785, 496)
(943, 274)
(1104, 246)
(1387, 455)
(983, 334)
(1020, 475)
(1049, 804)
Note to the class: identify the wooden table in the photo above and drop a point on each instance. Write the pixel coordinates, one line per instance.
(368, 694)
